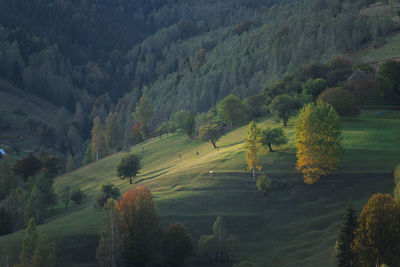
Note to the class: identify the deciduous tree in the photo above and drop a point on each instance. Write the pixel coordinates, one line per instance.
(139, 226)
(177, 245)
(284, 106)
(377, 238)
(211, 132)
(99, 147)
(112, 132)
(128, 167)
(318, 137)
(231, 110)
(252, 144)
(272, 136)
(341, 99)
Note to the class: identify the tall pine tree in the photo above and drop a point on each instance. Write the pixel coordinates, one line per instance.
(344, 255)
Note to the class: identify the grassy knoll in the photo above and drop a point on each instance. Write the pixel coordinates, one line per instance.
(293, 226)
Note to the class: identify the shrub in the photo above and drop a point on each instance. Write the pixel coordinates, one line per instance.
(341, 99)
(263, 184)
(77, 196)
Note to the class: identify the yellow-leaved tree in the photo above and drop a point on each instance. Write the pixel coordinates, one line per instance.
(318, 137)
(252, 144)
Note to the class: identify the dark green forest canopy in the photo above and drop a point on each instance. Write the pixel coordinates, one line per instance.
(187, 53)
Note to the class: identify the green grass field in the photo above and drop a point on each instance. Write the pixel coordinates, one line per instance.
(16, 108)
(293, 226)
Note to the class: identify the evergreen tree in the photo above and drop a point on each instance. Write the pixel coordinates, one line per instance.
(344, 254)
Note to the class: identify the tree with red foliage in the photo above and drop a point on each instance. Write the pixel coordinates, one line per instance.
(139, 227)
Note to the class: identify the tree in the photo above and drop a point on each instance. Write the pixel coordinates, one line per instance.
(177, 245)
(5, 223)
(231, 110)
(106, 191)
(112, 132)
(29, 244)
(77, 195)
(189, 124)
(272, 136)
(318, 137)
(52, 164)
(109, 250)
(284, 106)
(344, 255)
(341, 99)
(36, 250)
(136, 135)
(389, 73)
(396, 192)
(139, 226)
(314, 87)
(255, 105)
(211, 132)
(220, 246)
(27, 166)
(89, 155)
(8, 180)
(65, 194)
(377, 237)
(263, 184)
(70, 166)
(252, 144)
(144, 110)
(364, 90)
(40, 198)
(99, 147)
(128, 167)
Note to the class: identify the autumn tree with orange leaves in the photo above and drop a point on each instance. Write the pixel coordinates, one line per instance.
(139, 227)
(377, 238)
(318, 136)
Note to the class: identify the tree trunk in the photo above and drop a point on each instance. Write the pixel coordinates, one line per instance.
(270, 148)
(213, 142)
(254, 175)
(112, 237)
(130, 180)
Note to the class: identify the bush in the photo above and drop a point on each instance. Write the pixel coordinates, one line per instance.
(99, 200)
(77, 196)
(341, 99)
(264, 184)
(106, 191)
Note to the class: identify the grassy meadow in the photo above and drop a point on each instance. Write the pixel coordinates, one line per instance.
(292, 226)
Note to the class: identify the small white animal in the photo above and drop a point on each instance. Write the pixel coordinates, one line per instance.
(211, 173)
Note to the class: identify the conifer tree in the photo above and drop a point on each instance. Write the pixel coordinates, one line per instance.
(345, 256)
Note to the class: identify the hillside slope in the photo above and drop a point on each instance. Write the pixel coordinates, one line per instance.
(293, 226)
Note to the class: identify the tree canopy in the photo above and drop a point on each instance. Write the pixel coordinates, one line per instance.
(318, 141)
(128, 167)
